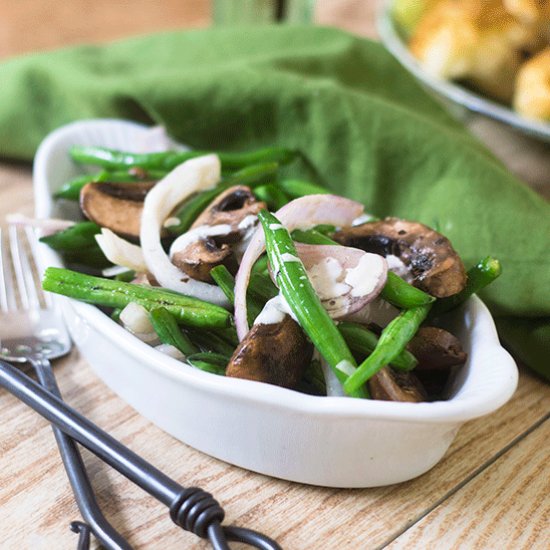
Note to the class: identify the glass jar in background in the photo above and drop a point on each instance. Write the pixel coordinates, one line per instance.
(247, 12)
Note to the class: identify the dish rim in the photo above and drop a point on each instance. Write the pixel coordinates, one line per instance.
(462, 96)
(470, 402)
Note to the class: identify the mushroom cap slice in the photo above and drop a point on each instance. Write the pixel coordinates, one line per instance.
(432, 261)
(391, 385)
(275, 353)
(116, 206)
(230, 208)
(202, 255)
(436, 348)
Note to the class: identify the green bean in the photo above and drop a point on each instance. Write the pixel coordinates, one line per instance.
(280, 155)
(209, 362)
(403, 295)
(312, 236)
(119, 160)
(479, 276)
(314, 376)
(392, 342)
(80, 235)
(229, 335)
(216, 358)
(363, 342)
(77, 245)
(297, 188)
(91, 257)
(169, 332)
(271, 195)
(261, 287)
(189, 211)
(126, 276)
(226, 282)
(109, 293)
(253, 175)
(300, 295)
(71, 189)
(261, 265)
(115, 314)
(210, 341)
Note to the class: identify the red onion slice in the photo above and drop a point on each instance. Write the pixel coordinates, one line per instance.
(303, 213)
(346, 279)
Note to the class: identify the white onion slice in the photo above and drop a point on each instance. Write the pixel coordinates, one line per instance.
(171, 351)
(302, 213)
(121, 252)
(190, 177)
(136, 319)
(334, 386)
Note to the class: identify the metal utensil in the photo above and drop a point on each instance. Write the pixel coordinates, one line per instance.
(192, 508)
(32, 330)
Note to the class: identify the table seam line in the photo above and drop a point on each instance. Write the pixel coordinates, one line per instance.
(467, 480)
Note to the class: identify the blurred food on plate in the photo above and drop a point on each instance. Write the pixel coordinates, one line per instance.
(498, 47)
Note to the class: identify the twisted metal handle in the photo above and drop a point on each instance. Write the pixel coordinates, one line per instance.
(197, 511)
(191, 508)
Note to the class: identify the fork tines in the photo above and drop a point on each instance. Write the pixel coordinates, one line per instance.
(19, 275)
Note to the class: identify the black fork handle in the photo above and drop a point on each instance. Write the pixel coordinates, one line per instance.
(102, 530)
(193, 509)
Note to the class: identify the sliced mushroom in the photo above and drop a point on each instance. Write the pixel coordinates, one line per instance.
(230, 208)
(275, 353)
(199, 257)
(116, 206)
(436, 348)
(208, 242)
(392, 385)
(429, 256)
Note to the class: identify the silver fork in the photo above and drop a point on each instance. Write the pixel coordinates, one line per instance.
(32, 331)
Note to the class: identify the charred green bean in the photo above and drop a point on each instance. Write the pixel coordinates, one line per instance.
(302, 299)
(117, 294)
(392, 342)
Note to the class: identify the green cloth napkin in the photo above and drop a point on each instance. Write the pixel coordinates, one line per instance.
(367, 127)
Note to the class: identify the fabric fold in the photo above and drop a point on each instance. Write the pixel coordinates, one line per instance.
(371, 132)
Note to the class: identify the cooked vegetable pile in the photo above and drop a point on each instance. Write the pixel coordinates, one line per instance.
(220, 262)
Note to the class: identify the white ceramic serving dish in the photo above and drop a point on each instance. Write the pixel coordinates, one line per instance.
(453, 94)
(336, 442)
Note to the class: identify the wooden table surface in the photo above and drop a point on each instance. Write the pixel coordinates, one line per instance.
(491, 491)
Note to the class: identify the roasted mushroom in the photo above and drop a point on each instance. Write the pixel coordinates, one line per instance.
(208, 243)
(436, 348)
(392, 385)
(201, 256)
(231, 208)
(276, 353)
(429, 256)
(116, 206)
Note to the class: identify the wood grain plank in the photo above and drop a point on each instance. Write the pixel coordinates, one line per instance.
(33, 489)
(506, 506)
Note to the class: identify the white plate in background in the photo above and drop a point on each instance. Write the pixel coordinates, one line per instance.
(452, 93)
